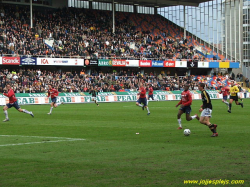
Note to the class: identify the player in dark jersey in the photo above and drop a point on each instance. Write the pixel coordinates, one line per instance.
(93, 91)
(53, 93)
(12, 103)
(206, 110)
(185, 102)
(142, 98)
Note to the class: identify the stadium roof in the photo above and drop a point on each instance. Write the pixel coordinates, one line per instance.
(156, 3)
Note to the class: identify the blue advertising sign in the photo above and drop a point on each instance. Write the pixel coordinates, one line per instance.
(156, 63)
(213, 64)
(28, 61)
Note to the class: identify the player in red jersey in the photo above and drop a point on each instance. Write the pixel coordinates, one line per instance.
(12, 103)
(53, 93)
(225, 92)
(150, 93)
(142, 98)
(185, 102)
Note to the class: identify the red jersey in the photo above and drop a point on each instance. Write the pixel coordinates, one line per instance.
(11, 96)
(150, 91)
(143, 92)
(224, 91)
(186, 98)
(52, 93)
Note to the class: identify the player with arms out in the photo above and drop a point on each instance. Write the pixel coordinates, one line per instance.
(12, 103)
(234, 96)
(53, 93)
(94, 92)
(206, 110)
(185, 102)
(142, 98)
(225, 92)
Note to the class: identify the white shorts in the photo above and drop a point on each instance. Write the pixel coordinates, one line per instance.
(206, 112)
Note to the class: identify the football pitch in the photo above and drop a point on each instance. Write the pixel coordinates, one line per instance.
(117, 144)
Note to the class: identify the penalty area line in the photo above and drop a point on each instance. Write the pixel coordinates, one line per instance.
(63, 139)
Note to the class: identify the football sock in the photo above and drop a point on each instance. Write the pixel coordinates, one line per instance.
(211, 127)
(193, 117)
(51, 108)
(59, 103)
(230, 105)
(140, 105)
(226, 103)
(26, 111)
(179, 121)
(148, 110)
(6, 114)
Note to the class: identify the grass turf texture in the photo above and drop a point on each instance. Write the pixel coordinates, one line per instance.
(112, 154)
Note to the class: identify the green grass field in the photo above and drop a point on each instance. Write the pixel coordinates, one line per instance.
(83, 145)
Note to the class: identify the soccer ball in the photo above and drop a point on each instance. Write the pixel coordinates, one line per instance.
(187, 132)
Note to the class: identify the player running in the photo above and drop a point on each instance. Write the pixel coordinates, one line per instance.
(53, 93)
(12, 103)
(185, 102)
(206, 110)
(225, 92)
(234, 96)
(142, 98)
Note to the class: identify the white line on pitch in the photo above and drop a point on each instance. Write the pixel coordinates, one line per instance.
(39, 142)
(54, 141)
(42, 137)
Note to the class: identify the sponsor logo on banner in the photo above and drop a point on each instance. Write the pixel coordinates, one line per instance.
(145, 63)
(203, 64)
(91, 62)
(117, 62)
(28, 61)
(181, 64)
(104, 62)
(169, 64)
(11, 60)
(192, 64)
(44, 61)
(132, 63)
(60, 61)
(157, 63)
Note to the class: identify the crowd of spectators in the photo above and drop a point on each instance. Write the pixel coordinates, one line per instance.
(73, 32)
(36, 81)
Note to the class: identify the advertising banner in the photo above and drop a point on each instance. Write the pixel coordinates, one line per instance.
(203, 64)
(213, 64)
(104, 62)
(11, 60)
(28, 61)
(234, 65)
(118, 62)
(60, 61)
(132, 63)
(41, 98)
(169, 63)
(91, 62)
(156, 63)
(223, 64)
(181, 64)
(192, 64)
(145, 63)
(0, 60)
